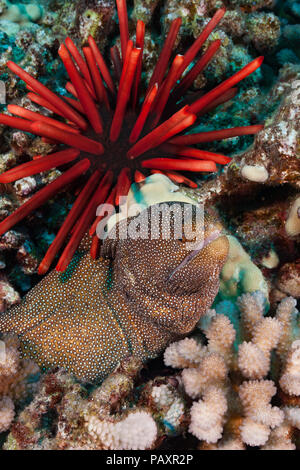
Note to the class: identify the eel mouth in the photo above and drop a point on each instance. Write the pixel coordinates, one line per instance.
(202, 244)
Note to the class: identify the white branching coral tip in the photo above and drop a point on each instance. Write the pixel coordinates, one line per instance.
(138, 431)
(254, 357)
(260, 416)
(252, 311)
(184, 353)
(266, 334)
(253, 433)
(162, 395)
(280, 439)
(7, 413)
(286, 314)
(207, 415)
(290, 379)
(252, 362)
(211, 371)
(221, 336)
(292, 416)
(256, 393)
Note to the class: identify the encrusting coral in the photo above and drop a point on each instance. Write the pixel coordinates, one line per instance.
(14, 16)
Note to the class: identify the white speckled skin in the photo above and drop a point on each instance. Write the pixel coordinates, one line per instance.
(125, 304)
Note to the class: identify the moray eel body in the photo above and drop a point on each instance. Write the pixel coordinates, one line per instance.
(132, 301)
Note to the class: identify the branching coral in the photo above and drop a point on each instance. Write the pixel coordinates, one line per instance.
(211, 371)
(136, 431)
(290, 379)
(233, 412)
(254, 357)
(260, 416)
(100, 143)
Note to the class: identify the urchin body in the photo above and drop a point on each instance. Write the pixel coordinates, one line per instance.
(115, 129)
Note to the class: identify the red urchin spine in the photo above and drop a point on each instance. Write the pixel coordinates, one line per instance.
(44, 194)
(190, 152)
(33, 116)
(85, 221)
(40, 89)
(73, 215)
(214, 94)
(39, 165)
(210, 136)
(182, 165)
(156, 129)
(130, 66)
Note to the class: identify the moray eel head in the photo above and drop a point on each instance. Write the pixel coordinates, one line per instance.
(182, 261)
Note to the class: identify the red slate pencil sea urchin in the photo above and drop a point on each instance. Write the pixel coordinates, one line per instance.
(109, 136)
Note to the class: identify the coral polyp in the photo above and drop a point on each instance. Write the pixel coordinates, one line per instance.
(113, 132)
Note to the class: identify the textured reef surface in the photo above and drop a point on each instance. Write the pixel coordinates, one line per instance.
(234, 382)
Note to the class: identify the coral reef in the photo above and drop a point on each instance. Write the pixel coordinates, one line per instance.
(35, 49)
(13, 16)
(236, 383)
(230, 395)
(274, 157)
